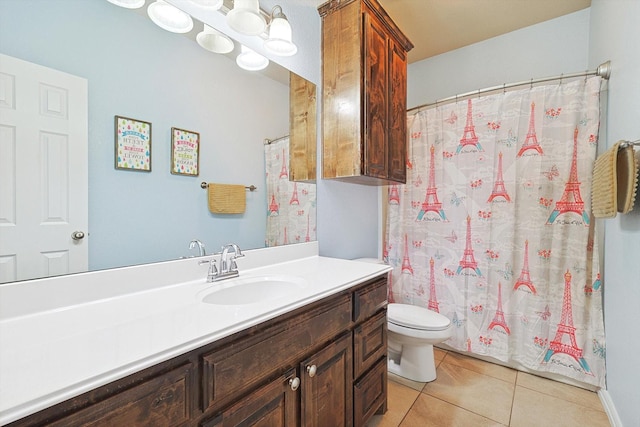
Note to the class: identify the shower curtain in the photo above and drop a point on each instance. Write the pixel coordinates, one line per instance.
(493, 228)
(291, 206)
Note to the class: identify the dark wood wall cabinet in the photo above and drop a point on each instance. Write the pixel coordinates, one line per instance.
(302, 129)
(320, 365)
(364, 99)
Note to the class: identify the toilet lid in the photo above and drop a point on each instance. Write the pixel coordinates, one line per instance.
(412, 316)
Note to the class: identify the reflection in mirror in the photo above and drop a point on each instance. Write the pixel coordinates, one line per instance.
(135, 69)
(292, 205)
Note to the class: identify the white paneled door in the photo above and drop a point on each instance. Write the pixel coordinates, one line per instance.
(43, 171)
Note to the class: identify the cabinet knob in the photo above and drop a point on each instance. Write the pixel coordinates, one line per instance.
(294, 383)
(311, 370)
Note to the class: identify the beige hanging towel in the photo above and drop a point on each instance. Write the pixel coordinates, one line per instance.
(227, 198)
(614, 181)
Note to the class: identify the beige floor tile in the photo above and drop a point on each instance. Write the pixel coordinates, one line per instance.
(428, 411)
(482, 367)
(534, 409)
(573, 394)
(438, 354)
(418, 386)
(482, 394)
(399, 401)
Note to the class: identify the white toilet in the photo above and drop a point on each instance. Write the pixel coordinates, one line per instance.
(412, 332)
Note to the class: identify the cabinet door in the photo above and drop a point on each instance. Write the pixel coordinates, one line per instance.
(398, 113)
(273, 405)
(376, 116)
(326, 384)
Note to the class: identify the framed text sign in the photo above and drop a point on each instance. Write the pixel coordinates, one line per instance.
(185, 152)
(133, 144)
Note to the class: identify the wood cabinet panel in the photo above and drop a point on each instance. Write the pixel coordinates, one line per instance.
(341, 89)
(161, 401)
(243, 364)
(326, 397)
(369, 343)
(302, 129)
(370, 393)
(273, 405)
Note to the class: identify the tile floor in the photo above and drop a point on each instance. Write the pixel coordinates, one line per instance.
(471, 392)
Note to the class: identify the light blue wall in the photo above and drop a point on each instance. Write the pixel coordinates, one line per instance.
(550, 48)
(615, 36)
(135, 69)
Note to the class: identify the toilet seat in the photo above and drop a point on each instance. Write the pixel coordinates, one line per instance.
(414, 317)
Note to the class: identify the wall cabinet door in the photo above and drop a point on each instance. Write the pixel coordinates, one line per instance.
(376, 116)
(397, 129)
(326, 386)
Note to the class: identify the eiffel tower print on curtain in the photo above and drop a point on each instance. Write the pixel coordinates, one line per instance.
(565, 327)
(571, 200)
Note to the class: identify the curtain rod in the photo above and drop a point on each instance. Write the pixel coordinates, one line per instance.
(268, 141)
(603, 70)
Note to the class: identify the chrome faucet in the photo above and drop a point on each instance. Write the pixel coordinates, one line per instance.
(200, 245)
(228, 266)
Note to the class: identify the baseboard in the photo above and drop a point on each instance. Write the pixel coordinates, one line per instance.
(609, 408)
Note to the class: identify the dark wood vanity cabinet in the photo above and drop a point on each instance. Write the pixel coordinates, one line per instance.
(364, 72)
(320, 365)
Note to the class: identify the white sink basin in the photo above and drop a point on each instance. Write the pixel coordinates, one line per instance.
(251, 290)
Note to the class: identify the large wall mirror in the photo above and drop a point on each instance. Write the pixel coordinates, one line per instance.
(137, 70)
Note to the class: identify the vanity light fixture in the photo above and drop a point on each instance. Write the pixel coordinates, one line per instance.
(169, 17)
(214, 41)
(129, 4)
(279, 41)
(246, 18)
(250, 60)
(209, 4)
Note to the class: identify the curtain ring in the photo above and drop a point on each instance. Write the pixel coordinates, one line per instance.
(561, 75)
(531, 84)
(478, 93)
(456, 98)
(504, 88)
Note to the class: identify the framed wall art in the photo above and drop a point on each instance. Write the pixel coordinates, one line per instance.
(133, 144)
(185, 152)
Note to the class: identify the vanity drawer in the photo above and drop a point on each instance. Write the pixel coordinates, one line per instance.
(369, 298)
(252, 359)
(369, 343)
(370, 393)
(165, 400)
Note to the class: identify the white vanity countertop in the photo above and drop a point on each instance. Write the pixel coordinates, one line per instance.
(49, 356)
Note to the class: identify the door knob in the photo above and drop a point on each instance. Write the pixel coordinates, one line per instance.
(294, 383)
(77, 235)
(311, 370)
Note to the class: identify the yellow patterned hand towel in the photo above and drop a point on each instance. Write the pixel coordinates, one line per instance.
(227, 198)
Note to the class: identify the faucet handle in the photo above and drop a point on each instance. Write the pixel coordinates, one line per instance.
(212, 266)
